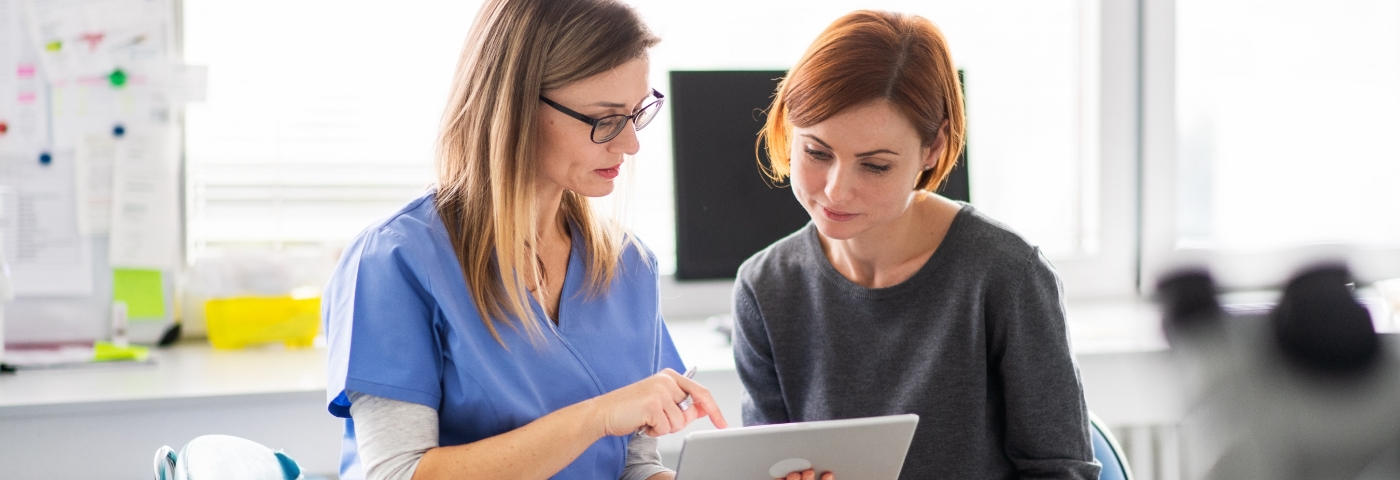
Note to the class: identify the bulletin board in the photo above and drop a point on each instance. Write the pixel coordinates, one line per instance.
(91, 96)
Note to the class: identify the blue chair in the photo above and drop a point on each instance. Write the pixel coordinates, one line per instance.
(224, 457)
(1107, 451)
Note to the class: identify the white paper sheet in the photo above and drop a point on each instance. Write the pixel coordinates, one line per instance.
(145, 194)
(81, 46)
(23, 92)
(95, 157)
(83, 38)
(47, 254)
(183, 83)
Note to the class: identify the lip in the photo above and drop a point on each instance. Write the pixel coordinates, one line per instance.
(838, 216)
(609, 173)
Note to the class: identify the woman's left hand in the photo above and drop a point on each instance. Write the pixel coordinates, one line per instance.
(809, 474)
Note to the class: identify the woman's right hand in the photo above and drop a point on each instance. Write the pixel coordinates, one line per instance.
(808, 474)
(653, 404)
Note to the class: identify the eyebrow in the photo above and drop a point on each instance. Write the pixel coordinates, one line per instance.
(862, 154)
(606, 104)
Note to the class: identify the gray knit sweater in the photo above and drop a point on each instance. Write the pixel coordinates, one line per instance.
(974, 343)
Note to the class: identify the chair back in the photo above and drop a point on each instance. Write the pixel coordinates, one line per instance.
(224, 457)
(1107, 452)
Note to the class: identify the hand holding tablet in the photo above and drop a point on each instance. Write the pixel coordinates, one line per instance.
(808, 474)
(867, 448)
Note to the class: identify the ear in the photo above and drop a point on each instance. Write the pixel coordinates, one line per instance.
(940, 143)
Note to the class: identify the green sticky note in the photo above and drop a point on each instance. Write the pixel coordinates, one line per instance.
(107, 352)
(141, 290)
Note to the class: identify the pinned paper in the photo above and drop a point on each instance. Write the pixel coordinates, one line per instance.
(145, 220)
(189, 83)
(47, 254)
(94, 159)
(142, 291)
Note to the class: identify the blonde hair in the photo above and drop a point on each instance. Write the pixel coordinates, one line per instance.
(486, 151)
(863, 56)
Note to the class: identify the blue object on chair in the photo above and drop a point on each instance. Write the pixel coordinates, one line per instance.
(1107, 452)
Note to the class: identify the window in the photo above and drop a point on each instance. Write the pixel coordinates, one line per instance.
(1285, 152)
(321, 116)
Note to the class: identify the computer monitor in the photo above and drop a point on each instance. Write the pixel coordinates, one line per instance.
(726, 210)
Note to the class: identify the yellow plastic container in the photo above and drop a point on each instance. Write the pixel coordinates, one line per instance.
(243, 321)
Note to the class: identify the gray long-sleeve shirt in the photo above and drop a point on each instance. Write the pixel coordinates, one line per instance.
(392, 436)
(974, 343)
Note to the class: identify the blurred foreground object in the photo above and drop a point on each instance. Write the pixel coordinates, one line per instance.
(1305, 390)
(1390, 294)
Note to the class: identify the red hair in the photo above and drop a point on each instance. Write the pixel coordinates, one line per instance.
(869, 55)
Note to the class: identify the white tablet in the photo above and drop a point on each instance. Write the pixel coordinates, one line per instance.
(861, 448)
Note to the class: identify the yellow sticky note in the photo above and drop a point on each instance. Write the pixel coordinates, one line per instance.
(141, 290)
(107, 352)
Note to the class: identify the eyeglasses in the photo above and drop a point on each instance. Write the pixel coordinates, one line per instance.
(606, 128)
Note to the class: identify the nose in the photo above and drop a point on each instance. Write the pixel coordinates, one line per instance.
(838, 184)
(625, 142)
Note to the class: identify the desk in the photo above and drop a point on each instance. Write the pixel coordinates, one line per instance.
(106, 422)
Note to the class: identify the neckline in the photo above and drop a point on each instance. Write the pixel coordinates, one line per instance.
(813, 244)
(571, 268)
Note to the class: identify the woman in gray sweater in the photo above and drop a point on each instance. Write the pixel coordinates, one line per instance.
(894, 299)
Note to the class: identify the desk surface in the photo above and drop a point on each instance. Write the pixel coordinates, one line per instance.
(196, 372)
(120, 413)
(187, 372)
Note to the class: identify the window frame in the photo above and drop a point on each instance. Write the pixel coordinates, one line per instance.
(1232, 269)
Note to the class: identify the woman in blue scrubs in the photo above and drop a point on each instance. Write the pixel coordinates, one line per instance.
(496, 327)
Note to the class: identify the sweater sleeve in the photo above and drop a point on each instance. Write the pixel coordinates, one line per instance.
(643, 460)
(392, 435)
(1047, 423)
(753, 357)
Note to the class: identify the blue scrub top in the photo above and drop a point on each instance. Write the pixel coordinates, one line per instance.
(402, 325)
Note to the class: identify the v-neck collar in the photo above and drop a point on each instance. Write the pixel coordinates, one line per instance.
(572, 267)
(567, 292)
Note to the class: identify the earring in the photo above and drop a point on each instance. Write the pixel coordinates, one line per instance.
(928, 167)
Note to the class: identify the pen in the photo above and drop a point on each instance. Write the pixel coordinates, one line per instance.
(686, 402)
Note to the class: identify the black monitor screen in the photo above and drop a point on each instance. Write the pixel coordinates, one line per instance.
(725, 209)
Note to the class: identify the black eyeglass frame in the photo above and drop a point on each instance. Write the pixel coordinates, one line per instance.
(594, 122)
